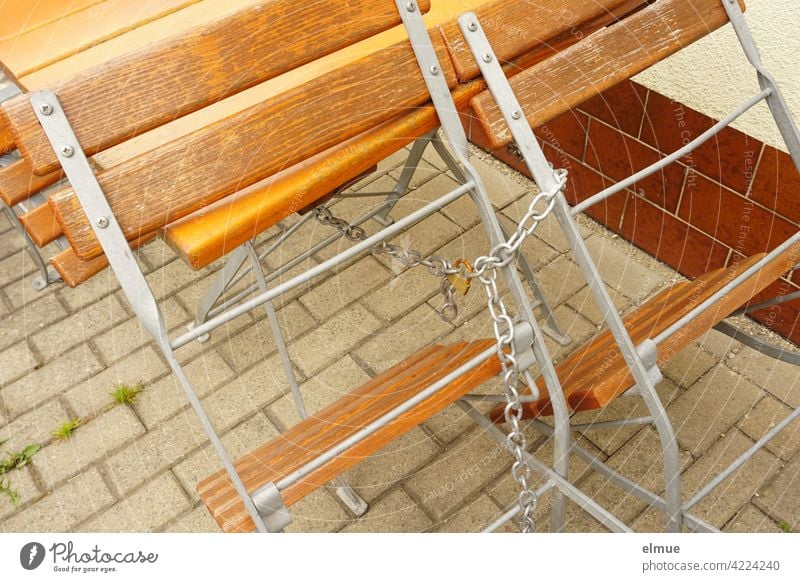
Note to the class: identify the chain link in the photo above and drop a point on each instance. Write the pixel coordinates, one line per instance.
(485, 270)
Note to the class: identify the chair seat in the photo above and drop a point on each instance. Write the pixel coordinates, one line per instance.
(310, 438)
(595, 373)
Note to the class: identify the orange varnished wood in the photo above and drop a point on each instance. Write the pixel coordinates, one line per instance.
(220, 159)
(319, 433)
(144, 89)
(595, 373)
(21, 16)
(208, 234)
(75, 271)
(41, 225)
(515, 27)
(602, 60)
(17, 182)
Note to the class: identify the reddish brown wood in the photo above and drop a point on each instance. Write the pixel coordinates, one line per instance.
(515, 27)
(162, 186)
(595, 373)
(178, 75)
(41, 225)
(75, 271)
(602, 60)
(17, 182)
(312, 437)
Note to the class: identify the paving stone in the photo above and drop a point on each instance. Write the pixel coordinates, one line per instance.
(59, 337)
(14, 266)
(94, 395)
(779, 498)
(333, 339)
(688, 365)
(174, 276)
(65, 508)
(718, 344)
(609, 440)
(244, 395)
(584, 303)
(712, 406)
(395, 512)
(465, 467)
(89, 443)
(30, 320)
(402, 292)
(129, 336)
(345, 287)
(319, 512)
(393, 344)
(155, 451)
(33, 427)
(329, 385)
(17, 360)
(560, 280)
(723, 502)
(20, 481)
(102, 284)
(21, 294)
(250, 434)
(575, 326)
(398, 460)
(423, 173)
(452, 422)
(778, 378)
(145, 510)
(166, 396)
(766, 414)
(472, 518)
(155, 254)
(198, 520)
(53, 378)
(751, 520)
(624, 272)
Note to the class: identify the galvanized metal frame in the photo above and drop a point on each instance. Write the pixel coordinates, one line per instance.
(47, 274)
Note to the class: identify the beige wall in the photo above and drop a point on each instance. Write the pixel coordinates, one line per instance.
(712, 76)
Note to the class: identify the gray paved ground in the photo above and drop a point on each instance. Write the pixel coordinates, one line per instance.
(134, 468)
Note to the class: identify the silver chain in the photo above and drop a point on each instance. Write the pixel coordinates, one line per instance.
(485, 270)
(436, 265)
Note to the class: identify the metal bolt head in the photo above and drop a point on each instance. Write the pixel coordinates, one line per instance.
(46, 109)
(487, 58)
(67, 151)
(473, 26)
(517, 114)
(434, 70)
(102, 222)
(411, 6)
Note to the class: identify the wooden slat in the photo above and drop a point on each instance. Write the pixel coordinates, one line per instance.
(319, 433)
(515, 27)
(22, 16)
(594, 374)
(181, 74)
(75, 271)
(72, 33)
(212, 163)
(601, 61)
(17, 182)
(208, 234)
(41, 225)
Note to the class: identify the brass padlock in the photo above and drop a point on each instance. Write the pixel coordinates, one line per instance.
(460, 283)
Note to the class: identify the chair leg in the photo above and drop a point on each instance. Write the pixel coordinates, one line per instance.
(47, 275)
(349, 497)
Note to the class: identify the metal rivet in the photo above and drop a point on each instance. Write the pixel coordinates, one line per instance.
(516, 114)
(102, 222)
(46, 109)
(473, 26)
(487, 58)
(67, 151)
(411, 6)
(434, 70)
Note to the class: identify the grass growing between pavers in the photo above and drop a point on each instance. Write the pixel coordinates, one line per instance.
(65, 431)
(126, 395)
(15, 462)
